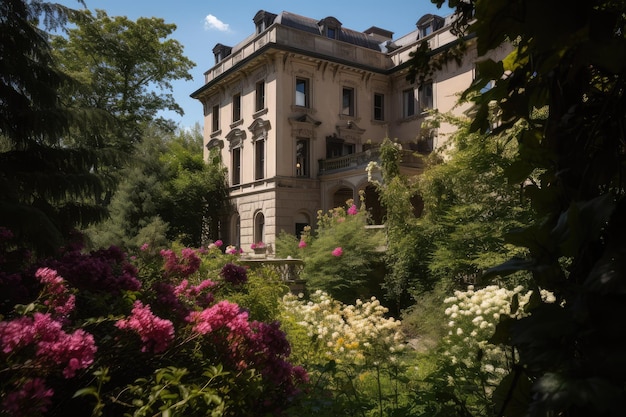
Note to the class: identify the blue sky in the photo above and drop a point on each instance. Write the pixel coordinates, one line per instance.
(203, 23)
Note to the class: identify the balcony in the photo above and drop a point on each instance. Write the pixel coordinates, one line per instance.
(409, 159)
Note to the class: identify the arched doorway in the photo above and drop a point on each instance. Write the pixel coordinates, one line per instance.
(372, 203)
(302, 220)
(341, 196)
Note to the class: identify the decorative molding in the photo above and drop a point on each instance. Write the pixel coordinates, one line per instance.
(236, 138)
(350, 132)
(215, 143)
(303, 126)
(259, 129)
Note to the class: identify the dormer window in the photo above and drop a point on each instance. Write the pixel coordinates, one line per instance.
(330, 27)
(263, 20)
(220, 52)
(428, 24)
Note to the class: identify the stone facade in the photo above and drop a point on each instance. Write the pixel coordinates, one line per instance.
(297, 108)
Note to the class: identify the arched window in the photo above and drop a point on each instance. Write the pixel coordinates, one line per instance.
(236, 230)
(259, 227)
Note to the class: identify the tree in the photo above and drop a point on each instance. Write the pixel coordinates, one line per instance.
(569, 59)
(46, 187)
(170, 193)
(194, 197)
(125, 69)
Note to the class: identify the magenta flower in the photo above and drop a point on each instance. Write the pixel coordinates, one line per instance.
(353, 210)
(60, 298)
(222, 315)
(144, 247)
(187, 264)
(302, 244)
(337, 251)
(32, 398)
(218, 243)
(234, 274)
(156, 333)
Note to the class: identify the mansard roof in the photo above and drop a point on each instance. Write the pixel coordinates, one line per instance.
(310, 25)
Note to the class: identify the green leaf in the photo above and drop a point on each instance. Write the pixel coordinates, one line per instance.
(86, 391)
(512, 396)
(509, 267)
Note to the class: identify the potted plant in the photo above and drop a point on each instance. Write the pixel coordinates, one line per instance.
(259, 247)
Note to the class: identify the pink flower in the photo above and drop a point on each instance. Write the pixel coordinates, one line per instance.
(31, 398)
(16, 334)
(155, 333)
(337, 251)
(231, 250)
(218, 243)
(353, 210)
(302, 244)
(144, 247)
(59, 297)
(76, 350)
(222, 315)
(188, 263)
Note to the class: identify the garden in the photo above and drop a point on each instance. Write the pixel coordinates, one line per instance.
(503, 298)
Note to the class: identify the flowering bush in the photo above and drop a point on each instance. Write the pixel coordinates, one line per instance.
(94, 332)
(342, 256)
(355, 354)
(471, 363)
(258, 245)
(232, 250)
(346, 333)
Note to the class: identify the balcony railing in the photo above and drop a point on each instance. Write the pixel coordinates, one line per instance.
(288, 270)
(360, 159)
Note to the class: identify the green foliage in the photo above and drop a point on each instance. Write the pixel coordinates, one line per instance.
(116, 60)
(47, 188)
(469, 206)
(568, 60)
(353, 273)
(261, 295)
(170, 194)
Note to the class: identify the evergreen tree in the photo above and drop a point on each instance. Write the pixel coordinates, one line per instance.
(46, 187)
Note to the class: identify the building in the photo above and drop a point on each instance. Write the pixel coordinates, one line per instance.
(298, 107)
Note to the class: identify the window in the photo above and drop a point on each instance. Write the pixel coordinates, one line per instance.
(259, 227)
(302, 92)
(236, 107)
(302, 157)
(259, 159)
(216, 118)
(347, 102)
(425, 31)
(425, 93)
(379, 107)
(260, 96)
(408, 103)
(236, 166)
(260, 27)
(331, 33)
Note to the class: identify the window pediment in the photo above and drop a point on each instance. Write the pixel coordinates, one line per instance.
(259, 129)
(236, 138)
(303, 126)
(350, 132)
(215, 144)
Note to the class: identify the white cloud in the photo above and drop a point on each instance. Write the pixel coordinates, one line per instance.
(212, 22)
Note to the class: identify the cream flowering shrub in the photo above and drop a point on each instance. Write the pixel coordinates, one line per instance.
(352, 334)
(472, 316)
